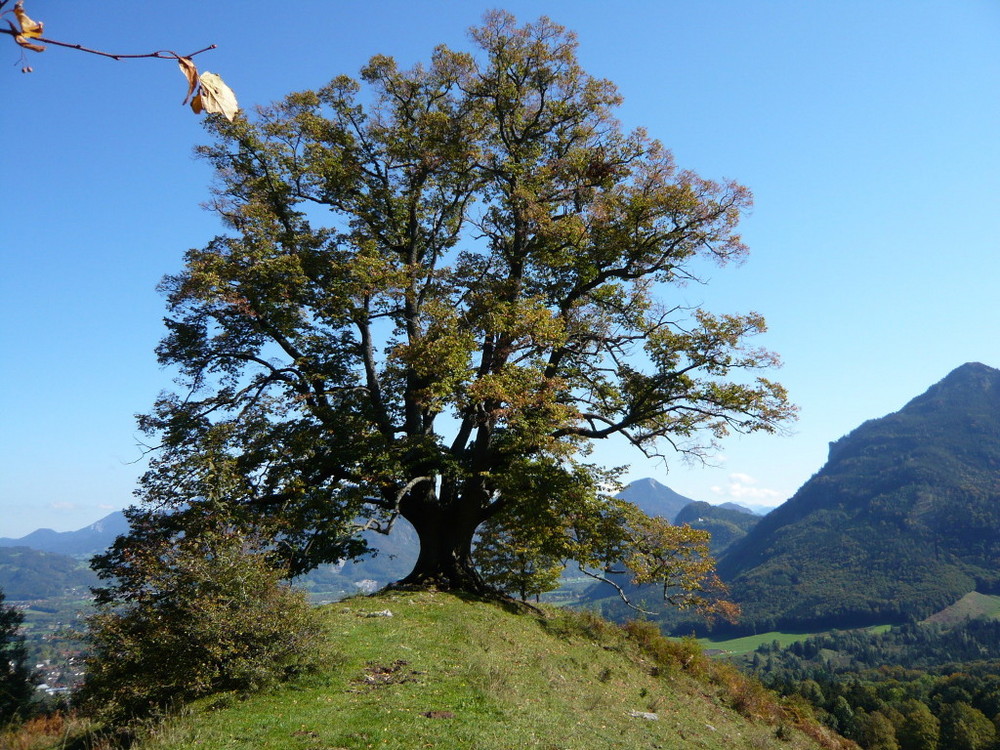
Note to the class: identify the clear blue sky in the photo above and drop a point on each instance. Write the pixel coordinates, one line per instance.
(868, 132)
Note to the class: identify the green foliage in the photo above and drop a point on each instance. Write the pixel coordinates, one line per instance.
(439, 281)
(876, 732)
(17, 680)
(192, 615)
(512, 564)
(964, 727)
(920, 729)
(937, 687)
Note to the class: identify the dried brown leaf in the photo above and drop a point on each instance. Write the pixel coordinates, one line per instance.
(215, 97)
(190, 72)
(29, 29)
(29, 45)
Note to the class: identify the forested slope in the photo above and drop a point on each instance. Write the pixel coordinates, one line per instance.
(903, 519)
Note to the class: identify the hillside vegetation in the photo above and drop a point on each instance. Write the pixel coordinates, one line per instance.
(29, 574)
(903, 520)
(448, 672)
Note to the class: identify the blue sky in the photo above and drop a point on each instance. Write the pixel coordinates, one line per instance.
(868, 133)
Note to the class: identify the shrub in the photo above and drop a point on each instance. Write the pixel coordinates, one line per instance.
(192, 615)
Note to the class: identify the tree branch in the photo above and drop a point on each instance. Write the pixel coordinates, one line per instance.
(160, 54)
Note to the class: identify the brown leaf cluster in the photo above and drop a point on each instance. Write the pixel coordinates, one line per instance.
(207, 92)
(28, 29)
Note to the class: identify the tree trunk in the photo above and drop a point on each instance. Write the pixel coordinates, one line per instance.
(445, 559)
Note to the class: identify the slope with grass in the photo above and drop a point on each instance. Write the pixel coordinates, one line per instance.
(447, 672)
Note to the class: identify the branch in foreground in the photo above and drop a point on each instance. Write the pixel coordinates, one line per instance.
(206, 92)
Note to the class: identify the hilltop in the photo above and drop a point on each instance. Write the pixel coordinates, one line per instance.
(449, 672)
(901, 521)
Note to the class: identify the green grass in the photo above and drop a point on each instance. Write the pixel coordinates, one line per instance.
(750, 643)
(449, 672)
(746, 644)
(970, 607)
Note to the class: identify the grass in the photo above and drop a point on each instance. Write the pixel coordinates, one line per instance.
(746, 644)
(445, 671)
(970, 607)
(448, 672)
(750, 643)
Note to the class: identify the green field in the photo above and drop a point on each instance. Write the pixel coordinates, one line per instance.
(971, 606)
(749, 643)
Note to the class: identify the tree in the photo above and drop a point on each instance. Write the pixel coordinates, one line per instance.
(964, 727)
(191, 615)
(876, 732)
(920, 730)
(17, 679)
(511, 563)
(440, 287)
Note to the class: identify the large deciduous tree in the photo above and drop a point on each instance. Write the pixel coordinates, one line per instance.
(441, 285)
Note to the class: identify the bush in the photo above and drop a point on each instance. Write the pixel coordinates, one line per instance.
(188, 616)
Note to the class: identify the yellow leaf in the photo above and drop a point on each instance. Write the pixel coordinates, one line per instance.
(196, 104)
(214, 96)
(29, 45)
(29, 29)
(190, 72)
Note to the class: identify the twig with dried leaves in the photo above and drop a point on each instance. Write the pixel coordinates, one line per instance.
(206, 91)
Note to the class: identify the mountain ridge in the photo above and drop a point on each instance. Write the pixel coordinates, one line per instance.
(902, 520)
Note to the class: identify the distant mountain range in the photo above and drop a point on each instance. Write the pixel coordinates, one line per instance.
(68, 551)
(84, 542)
(901, 521)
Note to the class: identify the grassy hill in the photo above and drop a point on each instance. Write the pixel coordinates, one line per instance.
(447, 672)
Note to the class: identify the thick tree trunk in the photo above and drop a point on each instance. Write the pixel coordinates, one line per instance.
(445, 559)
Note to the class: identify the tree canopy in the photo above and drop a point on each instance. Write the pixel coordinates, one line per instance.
(440, 286)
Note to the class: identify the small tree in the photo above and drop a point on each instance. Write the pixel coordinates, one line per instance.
(184, 616)
(514, 565)
(17, 679)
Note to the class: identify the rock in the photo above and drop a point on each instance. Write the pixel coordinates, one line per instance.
(644, 715)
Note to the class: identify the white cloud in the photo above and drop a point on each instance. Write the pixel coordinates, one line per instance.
(743, 487)
(63, 506)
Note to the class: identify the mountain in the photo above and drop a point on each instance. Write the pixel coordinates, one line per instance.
(902, 520)
(655, 499)
(726, 525)
(32, 574)
(84, 542)
(740, 508)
